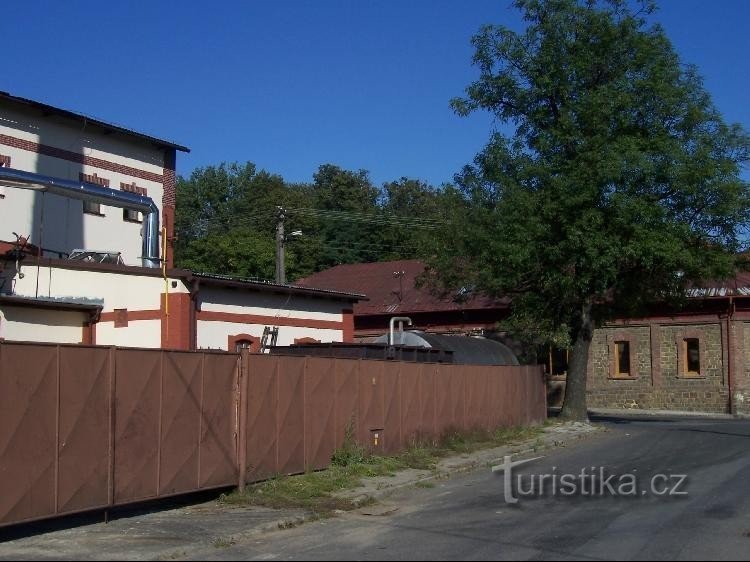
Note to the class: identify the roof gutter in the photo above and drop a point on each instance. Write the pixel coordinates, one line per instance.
(83, 191)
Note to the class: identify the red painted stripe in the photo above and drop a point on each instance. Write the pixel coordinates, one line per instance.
(133, 315)
(55, 152)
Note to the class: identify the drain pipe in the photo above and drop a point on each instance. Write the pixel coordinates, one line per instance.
(400, 320)
(83, 191)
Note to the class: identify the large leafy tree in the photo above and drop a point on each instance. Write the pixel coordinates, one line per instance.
(618, 184)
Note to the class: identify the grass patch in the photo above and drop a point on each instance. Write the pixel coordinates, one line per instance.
(314, 491)
(223, 542)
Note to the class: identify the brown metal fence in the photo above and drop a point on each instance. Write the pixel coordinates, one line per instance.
(299, 408)
(84, 428)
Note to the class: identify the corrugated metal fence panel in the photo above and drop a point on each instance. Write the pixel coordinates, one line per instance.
(320, 413)
(392, 440)
(291, 416)
(138, 402)
(84, 435)
(90, 427)
(85, 428)
(410, 407)
(28, 428)
(218, 446)
(346, 397)
(182, 403)
(371, 399)
(261, 434)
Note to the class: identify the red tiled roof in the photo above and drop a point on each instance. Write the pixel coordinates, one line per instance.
(384, 289)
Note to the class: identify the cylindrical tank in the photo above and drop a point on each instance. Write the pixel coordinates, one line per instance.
(466, 349)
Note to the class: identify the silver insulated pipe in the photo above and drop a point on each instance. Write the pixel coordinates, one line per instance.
(83, 191)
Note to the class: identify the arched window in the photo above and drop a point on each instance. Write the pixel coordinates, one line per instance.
(243, 341)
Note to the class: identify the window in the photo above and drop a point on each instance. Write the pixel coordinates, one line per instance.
(129, 215)
(239, 345)
(91, 208)
(622, 359)
(692, 350)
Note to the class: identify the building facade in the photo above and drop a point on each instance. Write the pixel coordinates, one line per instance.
(49, 141)
(693, 360)
(58, 171)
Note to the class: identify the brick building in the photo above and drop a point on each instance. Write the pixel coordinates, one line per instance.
(696, 359)
(392, 289)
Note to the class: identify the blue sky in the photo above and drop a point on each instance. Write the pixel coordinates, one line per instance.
(292, 85)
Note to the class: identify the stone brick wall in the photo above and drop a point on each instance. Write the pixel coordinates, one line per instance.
(658, 380)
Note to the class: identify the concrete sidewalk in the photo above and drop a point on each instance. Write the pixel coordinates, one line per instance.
(197, 531)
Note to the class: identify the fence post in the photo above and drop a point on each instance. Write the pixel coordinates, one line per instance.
(243, 372)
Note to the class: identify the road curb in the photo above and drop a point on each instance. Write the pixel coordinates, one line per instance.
(485, 459)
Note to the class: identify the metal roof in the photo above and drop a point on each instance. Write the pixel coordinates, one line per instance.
(50, 109)
(68, 303)
(261, 285)
(390, 293)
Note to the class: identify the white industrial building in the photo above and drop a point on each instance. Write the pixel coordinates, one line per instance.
(69, 182)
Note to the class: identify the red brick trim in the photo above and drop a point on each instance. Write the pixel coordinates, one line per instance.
(121, 318)
(232, 342)
(168, 222)
(680, 336)
(93, 178)
(655, 354)
(132, 315)
(622, 336)
(348, 321)
(737, 341)
(89, 334)
(169, 200)
(175, 321)
(133, 188)
(77, 158)
(210, 316)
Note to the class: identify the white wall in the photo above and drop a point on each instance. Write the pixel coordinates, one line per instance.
(273, 310)
(139, 333)
(215, 335)
(65, 226)
(268, 304)
(18, 323)
(111, 290)
(134, 292)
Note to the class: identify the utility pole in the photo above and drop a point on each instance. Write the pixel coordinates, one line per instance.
(280, 270)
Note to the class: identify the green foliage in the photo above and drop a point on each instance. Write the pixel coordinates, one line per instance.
(226, 220)
(350, 452)
(619, 184)
(317, 491)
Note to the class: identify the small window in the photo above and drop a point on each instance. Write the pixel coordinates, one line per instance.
(622, 359)
(128, 215)
(692, 356)
(91, 208)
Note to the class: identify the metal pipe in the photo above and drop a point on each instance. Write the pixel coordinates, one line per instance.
(400, 320)
(83, 191)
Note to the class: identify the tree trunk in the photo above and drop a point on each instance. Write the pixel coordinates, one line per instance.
(574, 407)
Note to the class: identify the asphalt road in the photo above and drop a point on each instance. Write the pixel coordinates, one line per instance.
(467, 516)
